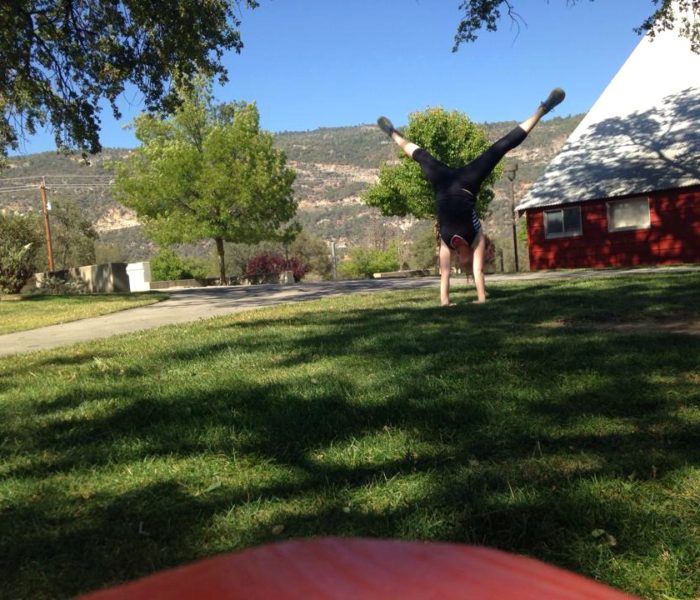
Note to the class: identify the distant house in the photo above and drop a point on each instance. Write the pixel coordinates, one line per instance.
(625, 188)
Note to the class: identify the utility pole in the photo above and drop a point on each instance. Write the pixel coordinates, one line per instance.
(47, 227)
(510, 174)
(333, 261)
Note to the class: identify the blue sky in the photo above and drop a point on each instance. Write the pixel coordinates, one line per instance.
(330, 63)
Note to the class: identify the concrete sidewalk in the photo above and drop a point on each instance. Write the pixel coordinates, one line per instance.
(191, 304)
(202, 303)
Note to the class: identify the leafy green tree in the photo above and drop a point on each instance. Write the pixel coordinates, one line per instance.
(485, 14)
(106, 253)
(450, 137)
(60, 58)
(424, 249)
(20, 242)
(312, 251)
(207, 172)
(238, 255)
(72, 236)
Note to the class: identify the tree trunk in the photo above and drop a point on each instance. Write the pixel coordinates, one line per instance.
(222, 265)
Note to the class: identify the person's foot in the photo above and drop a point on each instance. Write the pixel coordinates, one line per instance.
(385, 125)
(556, 96)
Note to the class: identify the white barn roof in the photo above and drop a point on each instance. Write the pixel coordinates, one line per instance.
(642, 134)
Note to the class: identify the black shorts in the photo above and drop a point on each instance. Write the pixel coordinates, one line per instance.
(456, 189)
(466, 228)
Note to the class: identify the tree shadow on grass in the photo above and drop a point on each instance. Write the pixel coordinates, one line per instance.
(469, 425)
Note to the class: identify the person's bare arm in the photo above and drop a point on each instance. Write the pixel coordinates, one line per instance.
(478, 268)
(445, 265)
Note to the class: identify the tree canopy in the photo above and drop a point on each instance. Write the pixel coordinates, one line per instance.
(207, 172)
(452, 138)
(60, 58)
(73, 237)
(666, 14)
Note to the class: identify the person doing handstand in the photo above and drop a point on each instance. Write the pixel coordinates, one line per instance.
(455, 195)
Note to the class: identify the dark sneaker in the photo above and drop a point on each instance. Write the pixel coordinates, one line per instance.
(385, 125)
(555, 97)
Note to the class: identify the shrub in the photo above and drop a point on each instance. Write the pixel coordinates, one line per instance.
(267, 267)
(364, 263)
(297, 267)
(167, 265)
(489, 252)
(424, 250)
(58, 286)
(19, 244)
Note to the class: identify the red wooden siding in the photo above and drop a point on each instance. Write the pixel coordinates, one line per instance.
(673, 237)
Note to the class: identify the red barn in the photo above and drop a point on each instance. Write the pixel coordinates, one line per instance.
(625, 188)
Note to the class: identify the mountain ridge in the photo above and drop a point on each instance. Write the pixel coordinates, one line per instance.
(334, 165)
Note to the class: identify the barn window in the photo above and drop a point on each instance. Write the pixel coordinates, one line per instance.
(564, 222)
(632, 213)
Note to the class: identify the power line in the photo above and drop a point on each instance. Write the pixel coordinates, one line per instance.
(79, 185)
(83, 182)
(59, 176)
(71, 186)
(76, 186)
(13, 178)
(19, 189)
(89, 176)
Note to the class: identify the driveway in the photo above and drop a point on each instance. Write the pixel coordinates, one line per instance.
(203, 303)
(192, 304)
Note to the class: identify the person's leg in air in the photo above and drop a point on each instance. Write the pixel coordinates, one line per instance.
(388, 127)
(466, 181)
(473, 174)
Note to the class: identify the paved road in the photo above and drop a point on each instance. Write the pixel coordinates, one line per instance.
(202, 303)
(192, 304)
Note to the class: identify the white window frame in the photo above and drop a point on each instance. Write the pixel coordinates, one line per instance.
(612, 203)
(550, 235)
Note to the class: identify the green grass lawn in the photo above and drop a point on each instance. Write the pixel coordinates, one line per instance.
(520, 424)
(39, 311)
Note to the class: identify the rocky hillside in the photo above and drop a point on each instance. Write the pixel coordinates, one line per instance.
(334, 167)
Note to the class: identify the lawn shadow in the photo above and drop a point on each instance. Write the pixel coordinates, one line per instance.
(472, 425)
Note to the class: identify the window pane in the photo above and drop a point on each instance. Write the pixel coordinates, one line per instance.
(554, 222)
(572, 220)
(629, 214)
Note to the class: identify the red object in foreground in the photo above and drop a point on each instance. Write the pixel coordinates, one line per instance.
(363, 569)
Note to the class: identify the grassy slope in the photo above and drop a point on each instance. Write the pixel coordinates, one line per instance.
(512, 424)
